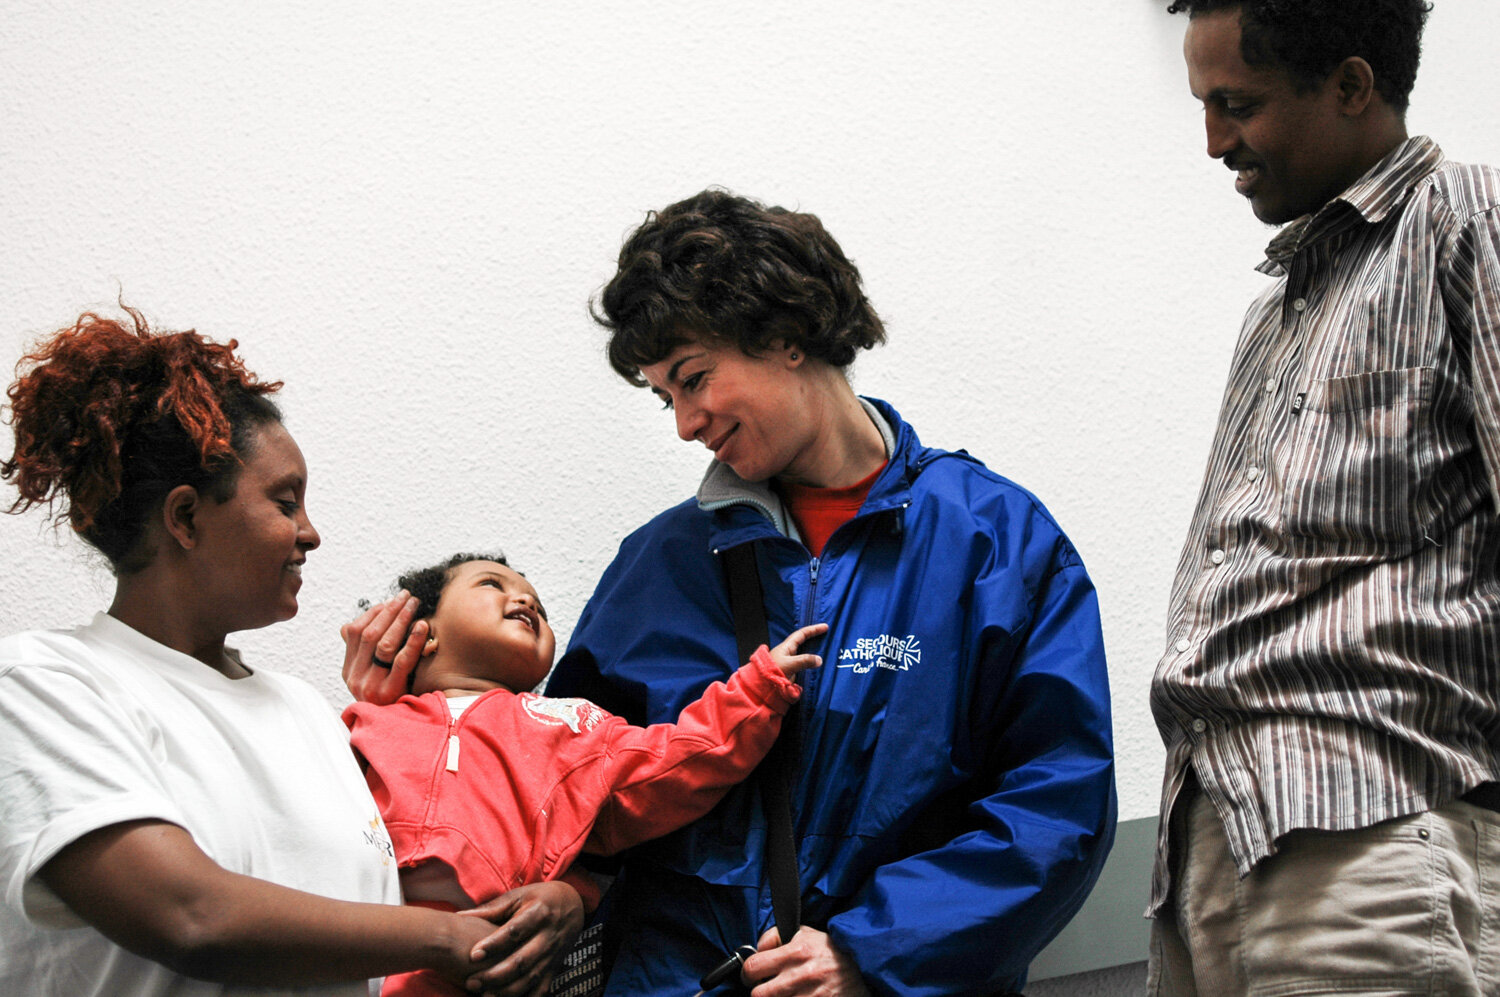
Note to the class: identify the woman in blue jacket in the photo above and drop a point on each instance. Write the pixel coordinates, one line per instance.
(955, 795)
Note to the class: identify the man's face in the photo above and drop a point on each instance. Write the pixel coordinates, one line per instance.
(1285, 146)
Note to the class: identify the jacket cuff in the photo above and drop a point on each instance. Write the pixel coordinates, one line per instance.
(766, 682)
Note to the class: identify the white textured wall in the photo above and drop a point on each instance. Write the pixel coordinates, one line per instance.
(402, 210)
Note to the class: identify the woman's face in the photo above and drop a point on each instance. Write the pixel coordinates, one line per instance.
(752, 413)
(250, 548)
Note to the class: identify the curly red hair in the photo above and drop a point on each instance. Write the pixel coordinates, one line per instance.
(108, 418)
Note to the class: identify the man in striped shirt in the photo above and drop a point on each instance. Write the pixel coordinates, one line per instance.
(1330, 689)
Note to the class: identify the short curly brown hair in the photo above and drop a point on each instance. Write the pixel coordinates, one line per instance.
(718, 266)
(1310, 37)
(108, 419)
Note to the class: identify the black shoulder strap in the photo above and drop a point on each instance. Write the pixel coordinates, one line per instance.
(780, 766)
(745, 600)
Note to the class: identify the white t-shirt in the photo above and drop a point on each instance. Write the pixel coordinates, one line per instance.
(101, 725)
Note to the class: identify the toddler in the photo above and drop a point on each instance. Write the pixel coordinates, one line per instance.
(485, 786)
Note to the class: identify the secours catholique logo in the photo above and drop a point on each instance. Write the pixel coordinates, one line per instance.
(896, 654)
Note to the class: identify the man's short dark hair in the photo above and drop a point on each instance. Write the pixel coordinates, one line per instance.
(1310, 37)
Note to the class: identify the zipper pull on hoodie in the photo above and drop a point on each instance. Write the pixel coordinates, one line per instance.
(452, 744)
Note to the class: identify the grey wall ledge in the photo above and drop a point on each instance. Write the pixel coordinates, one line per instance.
(1109, 930)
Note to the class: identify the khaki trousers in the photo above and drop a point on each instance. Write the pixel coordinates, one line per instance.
(1408, 906)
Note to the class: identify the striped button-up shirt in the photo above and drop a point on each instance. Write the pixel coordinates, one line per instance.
(1333, 644)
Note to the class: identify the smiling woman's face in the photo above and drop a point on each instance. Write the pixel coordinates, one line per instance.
(249, 549)
(753, 413)
(490, 621)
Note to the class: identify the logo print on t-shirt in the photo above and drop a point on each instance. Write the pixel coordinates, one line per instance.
(377, 836)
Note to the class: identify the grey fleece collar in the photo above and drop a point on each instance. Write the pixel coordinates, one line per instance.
(721, 487)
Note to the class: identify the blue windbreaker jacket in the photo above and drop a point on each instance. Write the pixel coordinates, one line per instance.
(956, 796)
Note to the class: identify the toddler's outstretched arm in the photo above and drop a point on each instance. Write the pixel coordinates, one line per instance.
(664, 776)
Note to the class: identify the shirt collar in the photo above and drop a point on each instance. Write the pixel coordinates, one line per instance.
(721, 487)
(1370, 199)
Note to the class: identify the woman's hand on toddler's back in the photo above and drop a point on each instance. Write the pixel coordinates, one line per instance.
(786, 655)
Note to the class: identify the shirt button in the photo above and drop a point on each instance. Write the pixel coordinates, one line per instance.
(1199, 725)
(1252, 473)
(1217, 557)
(1270, 384)
(1182, 644)
(1300, 304)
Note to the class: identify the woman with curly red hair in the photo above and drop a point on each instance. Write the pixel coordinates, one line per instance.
(173, 820)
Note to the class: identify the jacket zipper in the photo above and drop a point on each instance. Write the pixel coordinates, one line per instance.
(812, 591)
(452, 743)
(809, 680)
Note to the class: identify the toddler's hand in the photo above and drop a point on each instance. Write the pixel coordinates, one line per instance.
(785, 654)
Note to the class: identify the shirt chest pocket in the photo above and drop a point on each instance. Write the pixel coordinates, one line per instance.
(1355, 456)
